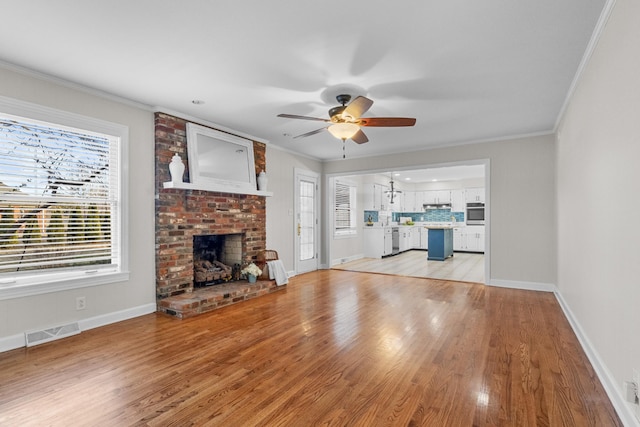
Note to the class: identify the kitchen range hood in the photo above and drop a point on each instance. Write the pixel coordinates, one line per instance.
(429, 206)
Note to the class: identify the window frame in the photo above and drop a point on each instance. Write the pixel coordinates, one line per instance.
(352, 230)
(53, 281)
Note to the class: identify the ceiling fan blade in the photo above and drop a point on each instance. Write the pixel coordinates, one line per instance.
(360, 137)
(357, 107)
(295, 116)
(387, 121)
(313, 132)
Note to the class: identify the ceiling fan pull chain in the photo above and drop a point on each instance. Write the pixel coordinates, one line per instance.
(343, 153)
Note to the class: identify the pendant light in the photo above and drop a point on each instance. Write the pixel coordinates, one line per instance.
(391, 194)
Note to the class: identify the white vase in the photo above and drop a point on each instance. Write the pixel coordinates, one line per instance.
(262, 181)
(176, 168)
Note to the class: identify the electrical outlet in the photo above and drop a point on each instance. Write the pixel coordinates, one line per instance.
(81, 303)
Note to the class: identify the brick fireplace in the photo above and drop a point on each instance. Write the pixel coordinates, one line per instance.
(217, 258)
(182, 214)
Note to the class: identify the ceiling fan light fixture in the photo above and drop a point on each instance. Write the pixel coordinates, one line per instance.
(343, 130)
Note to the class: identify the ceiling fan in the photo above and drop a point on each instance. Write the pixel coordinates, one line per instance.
(346, 120)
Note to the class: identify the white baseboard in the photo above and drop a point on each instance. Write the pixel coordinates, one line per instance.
(16, 341)
(347, 259)
(529, 286)
(613, 390)
(117, 316)
(12, 342)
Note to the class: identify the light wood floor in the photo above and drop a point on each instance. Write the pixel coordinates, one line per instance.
(466, 267)
(334, 348)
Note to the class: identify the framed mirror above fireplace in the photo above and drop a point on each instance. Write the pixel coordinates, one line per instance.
(220, 159)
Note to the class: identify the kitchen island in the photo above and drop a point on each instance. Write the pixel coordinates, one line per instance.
(440, 242)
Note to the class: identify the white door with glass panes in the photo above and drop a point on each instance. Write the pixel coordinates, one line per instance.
(307, 221)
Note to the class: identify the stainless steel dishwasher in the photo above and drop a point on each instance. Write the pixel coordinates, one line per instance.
(395, 240)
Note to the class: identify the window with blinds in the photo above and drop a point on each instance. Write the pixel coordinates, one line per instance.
(59, 199)
(344, 217)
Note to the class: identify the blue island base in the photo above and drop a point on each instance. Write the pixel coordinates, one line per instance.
(440, 244)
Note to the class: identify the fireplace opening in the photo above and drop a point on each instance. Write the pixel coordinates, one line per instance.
(217, 258)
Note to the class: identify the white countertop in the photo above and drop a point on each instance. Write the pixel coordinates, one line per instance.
(417, 224)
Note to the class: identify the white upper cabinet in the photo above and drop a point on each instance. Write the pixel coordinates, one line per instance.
(410, 201)
(419, 195)
(458, 203)
(398, 202)
(475, 195)
(367, 197)
(379, 198)
(375, 198)
(437, 197)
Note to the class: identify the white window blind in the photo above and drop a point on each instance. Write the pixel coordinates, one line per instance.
(344, 208)
(58, 198)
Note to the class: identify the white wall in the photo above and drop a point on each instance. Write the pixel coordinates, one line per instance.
(598, 157)
(281, 224)
(108, 302)
(522, 201)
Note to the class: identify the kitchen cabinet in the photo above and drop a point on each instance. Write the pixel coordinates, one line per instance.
(437, 197)
(459, 239)
(475, 239)
(474, 195)
(424, 238)
(469, 239)
(375, 198)
(415, 237)
(419, 237)
(368, 203)
(377, 241)
(388, 242)
(410, 201)
(458, 203)
(381, 198)
(413, 201)
(405, 238)
(419, 201)
(398, 202)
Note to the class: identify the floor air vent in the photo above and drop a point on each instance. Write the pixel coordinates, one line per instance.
(46, 335)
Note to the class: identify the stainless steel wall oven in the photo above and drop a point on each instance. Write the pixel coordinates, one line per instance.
(475, 214)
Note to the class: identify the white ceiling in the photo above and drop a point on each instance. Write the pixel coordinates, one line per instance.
(434, 174)
(467, 70)
(438, 174)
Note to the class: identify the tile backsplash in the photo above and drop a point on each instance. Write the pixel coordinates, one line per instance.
(432, 215)
(373, 214)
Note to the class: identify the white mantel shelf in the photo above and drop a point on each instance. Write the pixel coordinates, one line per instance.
(216, 188)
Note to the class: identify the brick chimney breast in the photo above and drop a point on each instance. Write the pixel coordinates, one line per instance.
(182, 214)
